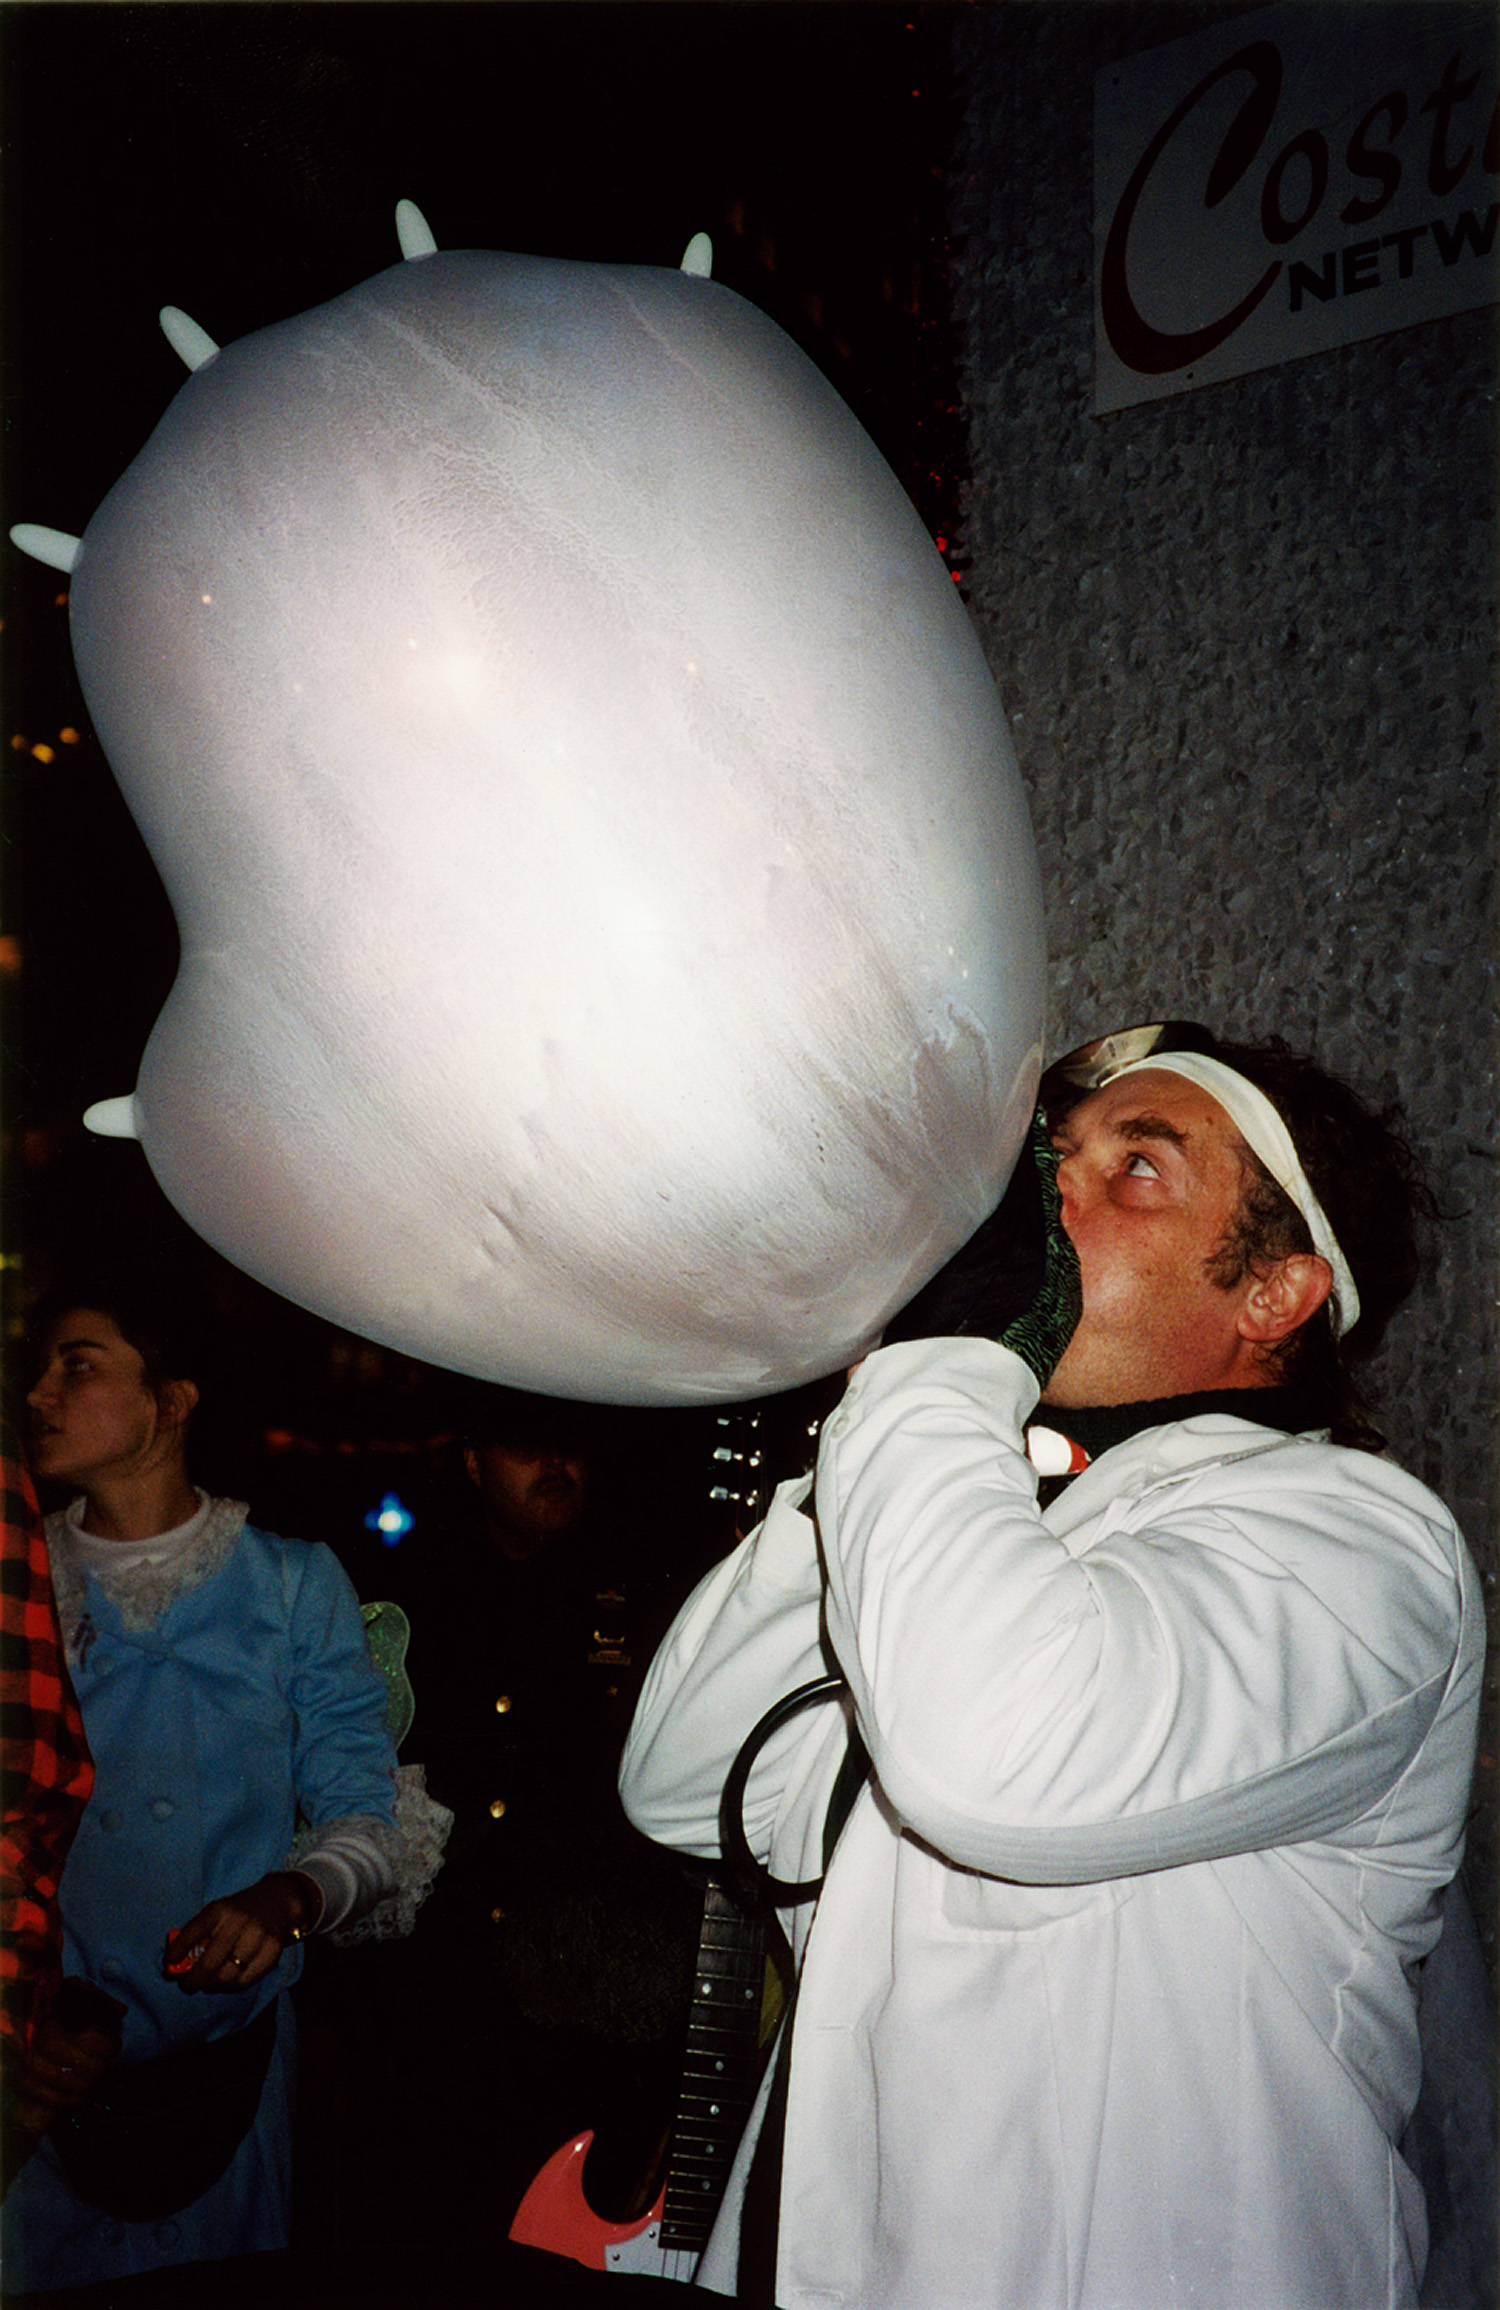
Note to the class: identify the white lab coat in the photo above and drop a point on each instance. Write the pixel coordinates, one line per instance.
(1108, 1998)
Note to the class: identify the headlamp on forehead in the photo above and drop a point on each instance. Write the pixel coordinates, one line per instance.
(1094, 1064)
(1177, 1048)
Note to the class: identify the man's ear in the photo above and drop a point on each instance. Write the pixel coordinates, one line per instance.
(1286, 1297)
(471, 1463)
(174, 1403)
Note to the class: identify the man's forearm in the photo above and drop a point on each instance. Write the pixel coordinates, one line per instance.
(749, 1633)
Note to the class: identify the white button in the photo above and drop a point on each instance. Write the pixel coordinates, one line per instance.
(1052, 1454)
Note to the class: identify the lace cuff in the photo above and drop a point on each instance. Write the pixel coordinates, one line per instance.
(375, 1877)
(351, 1863)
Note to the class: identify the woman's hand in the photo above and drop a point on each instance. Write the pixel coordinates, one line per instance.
(233, 1943)
(63, 2069)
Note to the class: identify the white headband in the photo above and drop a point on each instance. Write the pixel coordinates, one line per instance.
(1263, 1130)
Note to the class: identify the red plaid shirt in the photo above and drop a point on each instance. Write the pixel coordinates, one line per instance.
(44, 1760)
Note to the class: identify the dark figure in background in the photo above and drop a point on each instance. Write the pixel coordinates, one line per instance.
(546, 1988)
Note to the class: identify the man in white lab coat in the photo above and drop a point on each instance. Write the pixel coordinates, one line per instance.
(1108, 1997)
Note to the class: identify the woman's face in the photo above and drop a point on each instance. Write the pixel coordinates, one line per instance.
(93, 1415)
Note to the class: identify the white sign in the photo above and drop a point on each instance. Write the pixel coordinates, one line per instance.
(1294, 179)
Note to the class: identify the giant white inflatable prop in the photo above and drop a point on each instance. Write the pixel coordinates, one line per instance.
(611, 943)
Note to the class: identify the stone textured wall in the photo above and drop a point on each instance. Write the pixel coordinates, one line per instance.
(1245, 639)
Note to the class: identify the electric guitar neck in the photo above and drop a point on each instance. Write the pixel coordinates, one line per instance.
(750, 1446)
(721, 2067)
(720, 2070)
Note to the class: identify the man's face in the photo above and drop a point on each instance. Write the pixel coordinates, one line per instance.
(533, 1495)
(93, 1415)
(1151, 1179)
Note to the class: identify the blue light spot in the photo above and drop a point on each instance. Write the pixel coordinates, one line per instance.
(392, 1520)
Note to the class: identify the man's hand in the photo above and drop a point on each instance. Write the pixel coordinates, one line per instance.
(1016, 1279)
(233, 1943)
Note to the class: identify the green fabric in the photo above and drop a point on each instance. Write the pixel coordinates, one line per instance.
(388, 1632)
(1040, 1335)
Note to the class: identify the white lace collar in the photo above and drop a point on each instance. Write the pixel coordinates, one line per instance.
(141, 1578)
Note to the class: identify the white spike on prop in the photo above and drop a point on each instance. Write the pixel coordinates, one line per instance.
(698, 258)
(413, 232)
(610, 926)
(192, 345)
(113, 1118)
(56, 547)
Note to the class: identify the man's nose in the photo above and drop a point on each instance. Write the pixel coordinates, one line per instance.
(39, 1394)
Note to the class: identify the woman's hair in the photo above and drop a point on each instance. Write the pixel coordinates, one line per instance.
(159, 1320)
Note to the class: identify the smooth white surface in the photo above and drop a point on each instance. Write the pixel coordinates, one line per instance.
(611, 938)
(113, 1118)
(189, 341)
(55, 548)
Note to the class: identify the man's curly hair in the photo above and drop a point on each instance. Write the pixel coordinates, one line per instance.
(1369, 1180)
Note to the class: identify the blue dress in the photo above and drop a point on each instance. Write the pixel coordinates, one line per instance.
(246, 1700)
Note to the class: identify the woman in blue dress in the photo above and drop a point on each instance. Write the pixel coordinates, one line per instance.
(244, 1799)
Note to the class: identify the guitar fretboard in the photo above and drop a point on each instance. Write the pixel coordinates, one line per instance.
(719, 2072)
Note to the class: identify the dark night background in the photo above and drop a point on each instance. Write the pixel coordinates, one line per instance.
(244, 163)
(1131, 578)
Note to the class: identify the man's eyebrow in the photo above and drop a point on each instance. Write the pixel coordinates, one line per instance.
(1130, 1127)
(1151, 1127)
(65, 1347)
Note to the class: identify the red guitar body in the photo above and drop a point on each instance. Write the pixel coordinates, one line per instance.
(721, 2064)
(721, 2058)
(556, 2215)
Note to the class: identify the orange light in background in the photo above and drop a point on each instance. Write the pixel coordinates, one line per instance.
(19, 744)
(68, 737)
(10, 955)
(59, 601)
(43, 754)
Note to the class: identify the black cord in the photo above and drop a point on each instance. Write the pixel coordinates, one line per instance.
(753, 1884)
